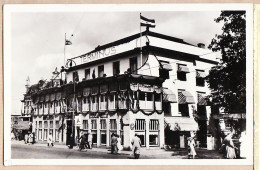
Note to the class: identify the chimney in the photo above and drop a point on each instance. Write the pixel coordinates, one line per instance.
(201, 45)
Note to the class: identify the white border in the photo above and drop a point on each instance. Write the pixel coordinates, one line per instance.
(9, 9)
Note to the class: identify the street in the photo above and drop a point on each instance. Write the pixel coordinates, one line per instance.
(19, 150)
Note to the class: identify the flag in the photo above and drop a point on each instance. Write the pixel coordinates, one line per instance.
(145, 22)
(68, 42)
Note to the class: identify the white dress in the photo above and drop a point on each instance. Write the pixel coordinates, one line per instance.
(119, 146)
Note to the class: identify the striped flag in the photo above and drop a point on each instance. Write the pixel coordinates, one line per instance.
(68, 42)
(145, 22)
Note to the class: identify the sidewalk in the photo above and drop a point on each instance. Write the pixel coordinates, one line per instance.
(153, 153)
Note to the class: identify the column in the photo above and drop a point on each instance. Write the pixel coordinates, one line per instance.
(147, 132)
(98, 132)
(107, 131)
(161, 131)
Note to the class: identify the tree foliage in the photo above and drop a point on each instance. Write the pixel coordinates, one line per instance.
(228, 79)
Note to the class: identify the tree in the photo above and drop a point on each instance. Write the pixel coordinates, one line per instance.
(228, 79)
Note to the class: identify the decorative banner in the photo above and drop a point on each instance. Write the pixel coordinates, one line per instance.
(146, 87)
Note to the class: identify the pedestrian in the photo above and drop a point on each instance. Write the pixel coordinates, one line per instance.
(119, 146)
(90, 137)
(242, 145)
(191, 148)
(83, 140)
(26, 138)
(50, 139)
(114, 142)
(136, 143)
(30, 138)
(230, 152)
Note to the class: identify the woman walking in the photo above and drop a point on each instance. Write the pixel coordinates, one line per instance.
(191, 148)
(230, 148)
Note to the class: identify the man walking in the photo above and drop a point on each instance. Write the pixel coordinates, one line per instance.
(114, 143)
(136, 142)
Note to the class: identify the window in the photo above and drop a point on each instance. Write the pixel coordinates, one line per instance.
(85, 124)
(116, 68)
(201, 110)
(101, 71)
(184, 109)
(94, 124)
(103, 124)
(149, 96)
(200, 78)
(140, 124)
(45, 132)
(56, 130)
(133, 65)
(75, 76)
(182, 70)
(157, 97)
(154, 125)
(113, 125)
(87, 74)
(141, 96)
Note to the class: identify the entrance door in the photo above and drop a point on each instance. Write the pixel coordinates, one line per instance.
(202, 133)
(69, 131)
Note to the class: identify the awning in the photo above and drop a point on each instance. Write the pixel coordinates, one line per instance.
(103, 88)
(42, 98)
(63, 95)
(52, 98)
(146, 88)
(58, 96)
(113, 86)
(79, 93)
(123, 86)
(181, 123)
(22, 125)
(169, 96)
(230, 116)
(94, 90)
(202, 100)
(36, 99)
(47, 97)
(200, 74)
(86, 92)
(183, 68)
(185, 97)
(166, 66)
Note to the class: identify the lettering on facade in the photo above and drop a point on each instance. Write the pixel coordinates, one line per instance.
(99, 54)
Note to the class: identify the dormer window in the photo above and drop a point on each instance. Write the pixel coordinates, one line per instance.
(182, 70)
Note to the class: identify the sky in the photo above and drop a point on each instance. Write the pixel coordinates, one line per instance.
(37, 38)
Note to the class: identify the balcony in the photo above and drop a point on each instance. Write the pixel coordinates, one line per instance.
(122, 104)
(111, 105)
(146, 105)
(103, 106)
(85, 107)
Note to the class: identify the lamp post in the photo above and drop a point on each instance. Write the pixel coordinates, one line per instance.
(72, 137)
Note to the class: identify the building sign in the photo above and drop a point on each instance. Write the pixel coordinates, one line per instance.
(99, 54)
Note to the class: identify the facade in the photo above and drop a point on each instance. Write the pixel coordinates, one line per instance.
(157, 91)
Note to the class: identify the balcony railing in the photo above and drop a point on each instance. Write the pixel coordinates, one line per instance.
(51, 110)
(85, 107)
(45, 110)
(111, 105)
(122, 104)
(57, 109)
(94, 107)
(103, 106)
(158, 105)
(41, 111)
(146, 105)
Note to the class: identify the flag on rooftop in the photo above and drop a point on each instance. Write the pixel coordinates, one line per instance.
(145, 22)
(68, 42)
